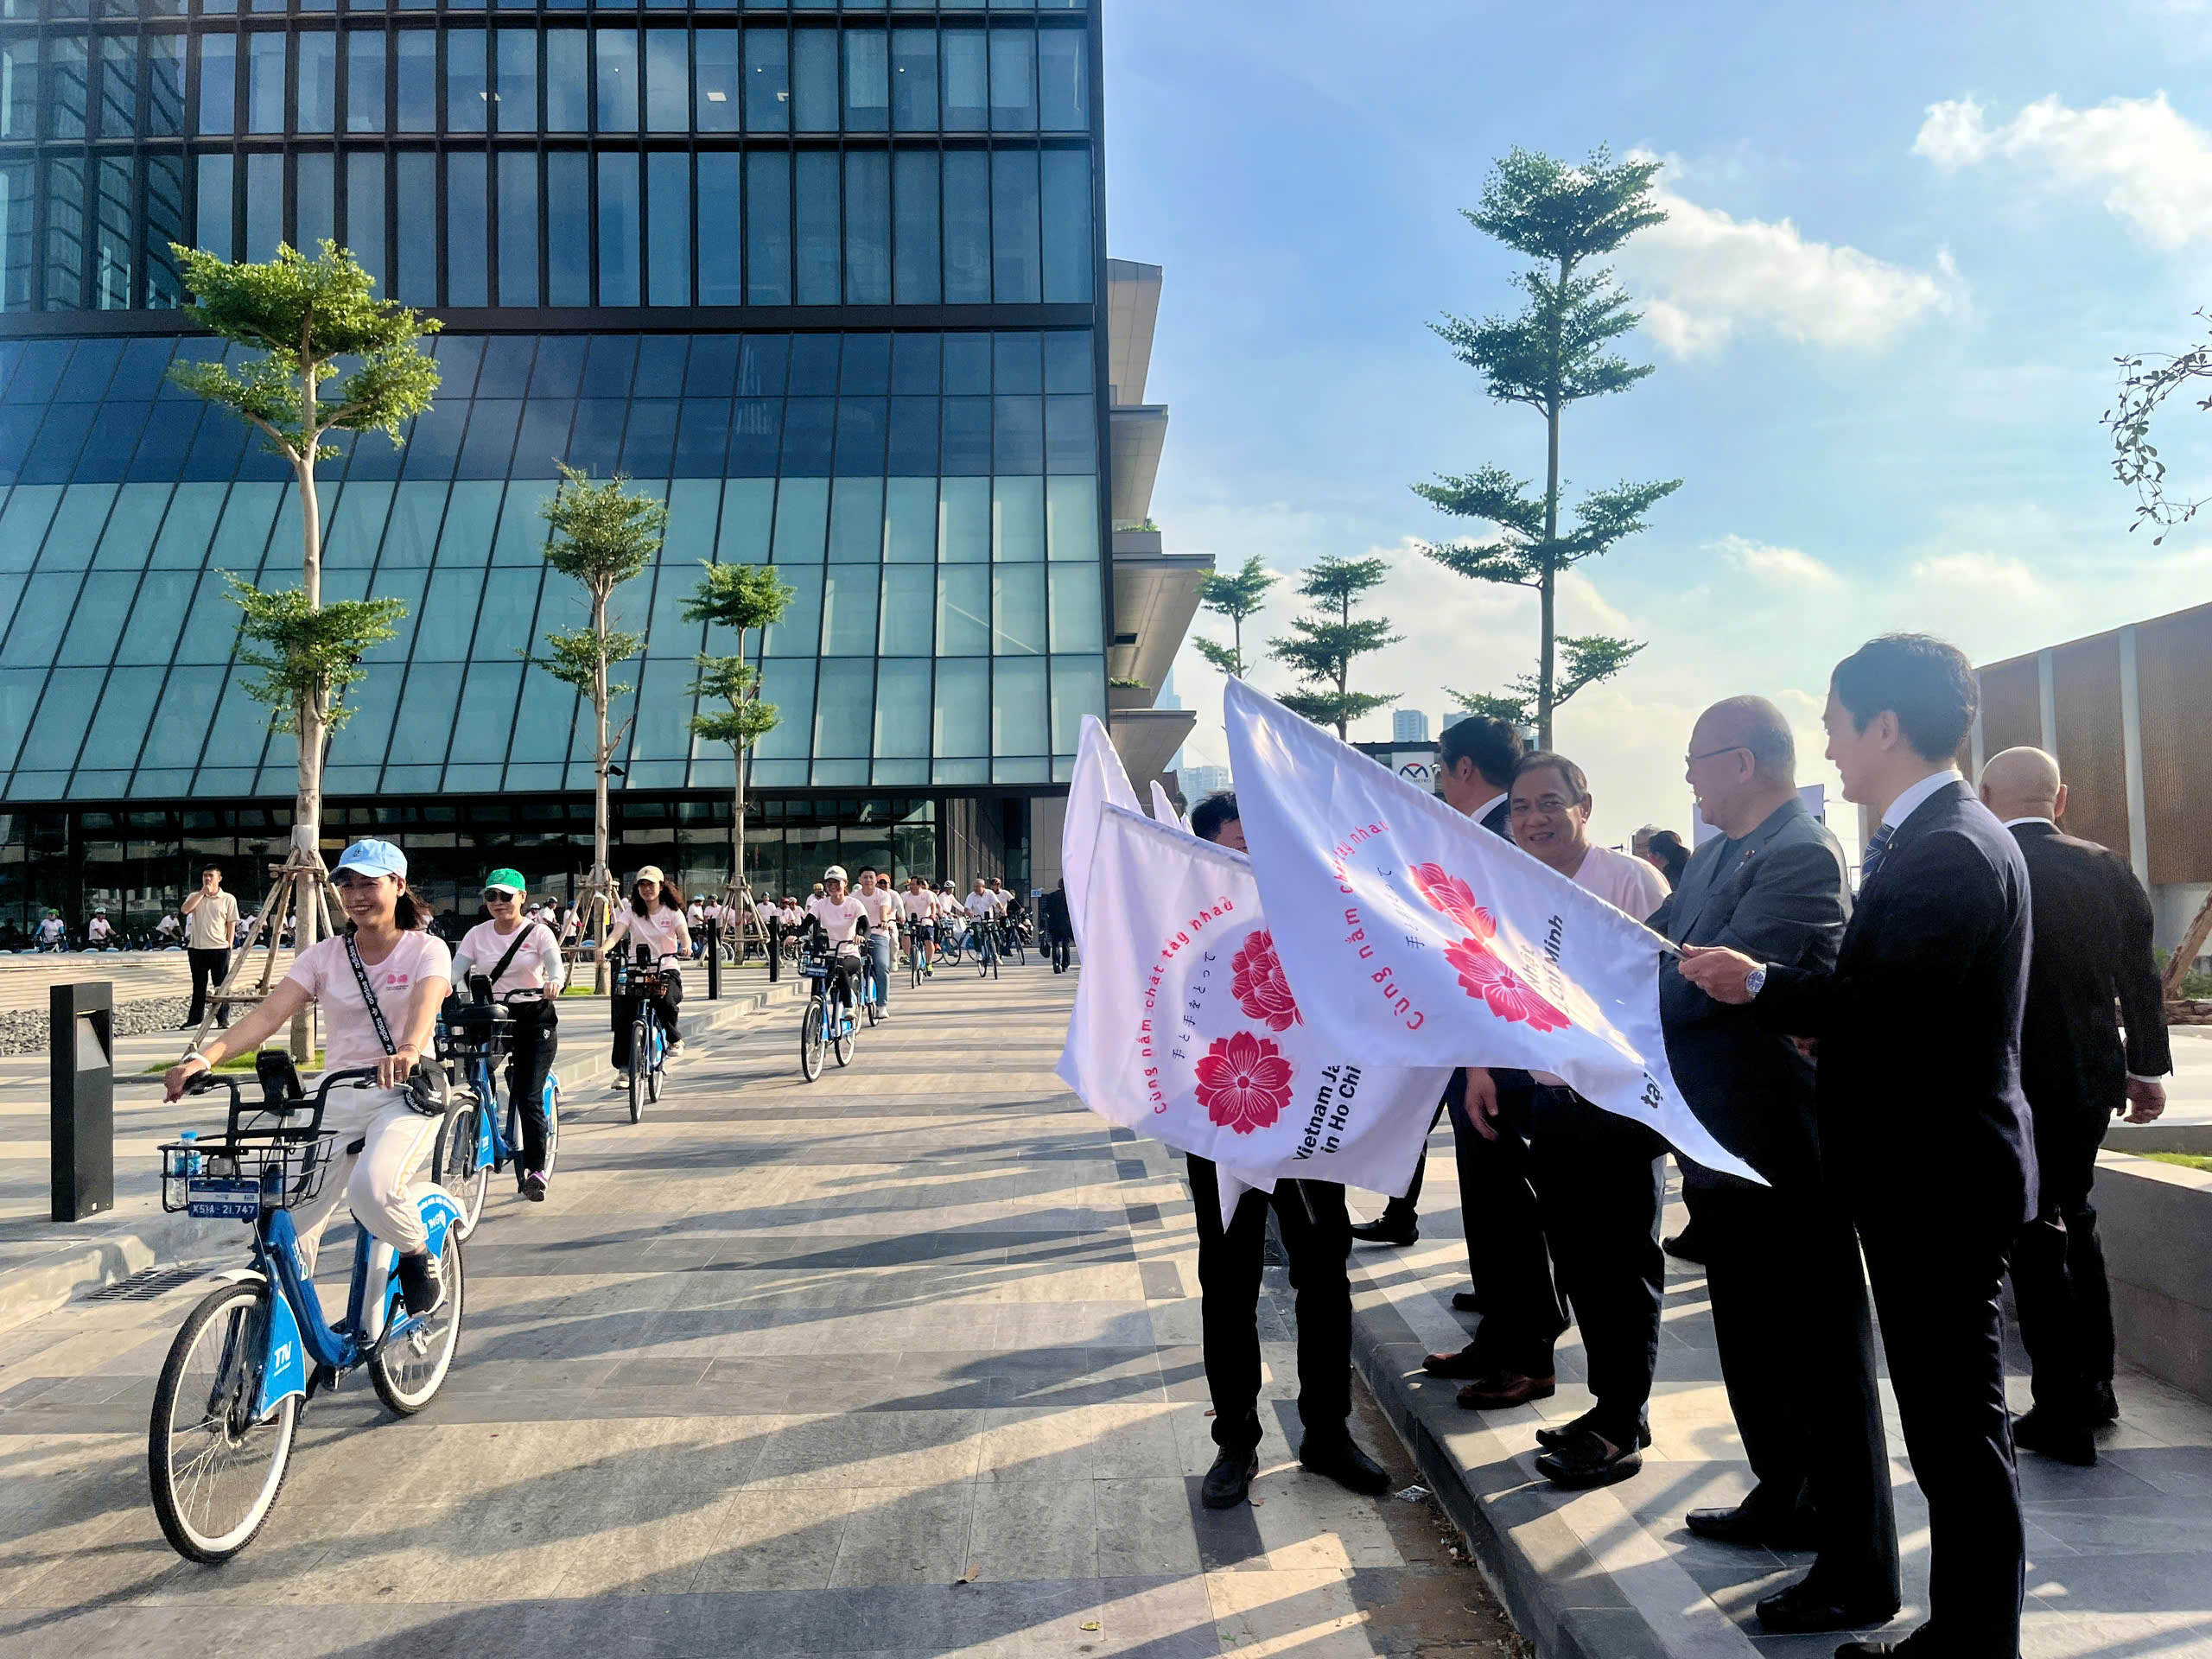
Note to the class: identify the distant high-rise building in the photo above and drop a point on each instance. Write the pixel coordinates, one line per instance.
(1409, 726)
(1199, 782)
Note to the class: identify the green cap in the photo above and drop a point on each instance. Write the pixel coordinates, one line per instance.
(508, 879)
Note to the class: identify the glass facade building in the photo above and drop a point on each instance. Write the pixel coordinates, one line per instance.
(829, 280)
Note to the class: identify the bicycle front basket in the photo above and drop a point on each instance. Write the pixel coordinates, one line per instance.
(237, 1178)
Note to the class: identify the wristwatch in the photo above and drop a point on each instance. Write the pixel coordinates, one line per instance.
(1755, 979)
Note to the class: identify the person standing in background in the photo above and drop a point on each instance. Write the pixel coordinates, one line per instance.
(212, 922)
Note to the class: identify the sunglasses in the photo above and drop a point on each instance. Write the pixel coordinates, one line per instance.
(501, 896)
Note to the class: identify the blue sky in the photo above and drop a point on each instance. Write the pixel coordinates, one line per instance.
(1906, 243)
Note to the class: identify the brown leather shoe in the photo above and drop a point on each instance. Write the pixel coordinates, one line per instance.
(1496, 1391)
(1463, 1363)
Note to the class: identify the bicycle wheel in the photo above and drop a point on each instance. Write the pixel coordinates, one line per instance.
(1013, 944)
(552, 1126)
(639, 1066)
(215, 1470)
(454, 1165)
(653, 1078)
(810, 1040)
(948, 952)
(409, 1365)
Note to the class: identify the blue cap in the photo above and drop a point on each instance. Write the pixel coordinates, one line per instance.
(373, 858)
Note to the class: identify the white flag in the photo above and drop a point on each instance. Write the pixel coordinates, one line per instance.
(1185, 1027)
(1099, 777)
(1414, 936)
(1163, 808)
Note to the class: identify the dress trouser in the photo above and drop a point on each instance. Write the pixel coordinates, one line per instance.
(1796, 1351)
(536, 1038)
(2059, 1288)
(1599, 1180)
(209, 969)
(1316, 1233)
(1934, 1281)
(1508, 1254)
(374, 1183)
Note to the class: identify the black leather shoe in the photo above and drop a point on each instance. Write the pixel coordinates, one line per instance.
(1552, 1438)
(1383, 1231)
(1589, 1460)
(2061, 1440)
(1229, 1483)
(1462, 1362)
(1804, 1607)
(1918, 1645)
(1465, 1302)
(1754, 1527)
(1339, 1457)
(2101, 1407)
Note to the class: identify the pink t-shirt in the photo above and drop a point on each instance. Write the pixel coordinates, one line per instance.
(349, 1035)
(1623, 882)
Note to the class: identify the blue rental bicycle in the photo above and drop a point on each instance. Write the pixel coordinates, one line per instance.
(648, 1038)
(477, 1137)
(829, 1022)
(257, 1347)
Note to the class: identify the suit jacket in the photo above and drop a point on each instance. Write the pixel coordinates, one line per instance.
(1921, 1116)
(1499, 819)
(1781, 894)
(2093, 950)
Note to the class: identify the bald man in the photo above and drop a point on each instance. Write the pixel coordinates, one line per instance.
(2092, 950)
(1790, 1324)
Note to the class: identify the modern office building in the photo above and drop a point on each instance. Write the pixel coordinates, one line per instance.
(1409, 726)
(830, 279)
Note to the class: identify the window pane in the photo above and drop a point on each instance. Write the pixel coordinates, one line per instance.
(111, 228)
(902, 708)
(967, 228)
(719, 230)
(318, 93)
(164, 224)
(1067, 252)
(19, 86)
(802, 519)
(212, 224)
(1075, 606)
(967, 81)
(843, 708)
(1064, 80)
(314, 218)
(617, 101)
(618, 230)
(417, 107)
(1017, 520)
(568, 229)
(364, 80)
(1018, 611)
(913, 80)
(818, 262)
(1014, 80)
(264, 88)
(517, 228)
(365, 214)
(468, 105)
(714, 54)
(465, 229)
(848, 596)
(767, 228)
(416, 280)
(564, 81)
(65, 71)
(916, 272)
(518, 99)
(1015, 276)
(799, 634)
(867, 227)
(767, 80)
(667, 75)
(1072, 518)
(118, 86)
(1018, 707)
(668, 177)
(965, 521)
(219, 89)
(789, 685)
(868, 91)
(265, 204)
(910, 520)
(963, 611)
(908, 617)
(814, 81)
(164, 86)
(857, 521)
(963, 707)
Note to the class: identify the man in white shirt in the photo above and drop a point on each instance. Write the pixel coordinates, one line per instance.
(982, 919)
(920, 905)
(211, 919)
(883, 908)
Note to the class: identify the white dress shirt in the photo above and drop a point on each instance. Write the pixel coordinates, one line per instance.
(1903, 806)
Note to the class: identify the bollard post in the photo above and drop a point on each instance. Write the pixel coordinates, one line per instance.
(713, 960)
(775, 950)
(81, 1026)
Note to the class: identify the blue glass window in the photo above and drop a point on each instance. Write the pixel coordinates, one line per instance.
(566, 88)
(517, 227)
(767, 228)
(364, 81)
(966, 81)
(668, 103)
(762, 365)
(907, 614)
(966, 448)
(315, 104)
(668, 183)
(856, 525)
(917, 277)
(756, 437)
(416, 280)
(767, 80)
(485, 725)
(717, 82)
(265, 204)
(55, 734)
(118, 86)
(902, 707)
(868, 88)
(1014, 80)
(1064, 80)
(1018, 706)
(844, 699)
(468, 93)
(807, 426)
(719, 230)
(650, 438)
(164, 86)
(867, 227)
(417, 81)
(315, 208)
(65, 232)
(1067, 219)
(701, 438)
(814, 81)
(516, 101)
(913, 80)
(364, 214)
(962, 726)
(1014, 272)
(967, 227)
(19, 88)
(618, 229)
(65, 75)
(218, 82)
(491, 441)
(819, 230)
(568, 228)
(420, 734)
(616, 104)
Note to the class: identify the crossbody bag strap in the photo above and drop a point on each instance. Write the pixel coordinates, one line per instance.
(521, 935)
(376, 1010)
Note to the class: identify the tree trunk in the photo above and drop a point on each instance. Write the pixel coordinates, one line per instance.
(312, 717)
(1547, 671)
(737, 797)
(601, 827)
(1343, 672)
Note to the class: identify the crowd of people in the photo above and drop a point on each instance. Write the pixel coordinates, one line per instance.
(1922, 1070)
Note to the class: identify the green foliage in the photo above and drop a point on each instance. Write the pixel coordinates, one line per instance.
(746, 719)
(309, 654)
(1238, 597)
(2145, 383)
(1512, 711)
(739, 597)
(1552, 354)
(1229, 660)
(1320, 650)
(603, 533)
(1129, 685)
(301, 314)
(578, 657)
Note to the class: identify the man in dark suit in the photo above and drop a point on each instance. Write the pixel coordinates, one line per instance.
(1790, 1319)
(1923, 1131)
(2093, 952)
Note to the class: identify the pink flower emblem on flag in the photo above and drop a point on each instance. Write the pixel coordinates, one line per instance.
(1507, 995)
(1454, 898)
(1259, 987)
(1243, 1082)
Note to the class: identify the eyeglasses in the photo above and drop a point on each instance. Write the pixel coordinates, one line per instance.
(1692, 759)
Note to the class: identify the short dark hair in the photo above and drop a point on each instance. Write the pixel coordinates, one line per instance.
(1545, 760)
(1489, 742)
(1927, 683)
(205, 867)
(869, 869)
(1208, 816)
(1666, 848)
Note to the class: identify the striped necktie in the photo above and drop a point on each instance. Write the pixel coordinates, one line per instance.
(1877, 845)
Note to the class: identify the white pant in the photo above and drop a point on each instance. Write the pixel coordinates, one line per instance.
(374, 1182)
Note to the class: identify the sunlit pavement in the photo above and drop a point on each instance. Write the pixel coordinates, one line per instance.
(901, 1362)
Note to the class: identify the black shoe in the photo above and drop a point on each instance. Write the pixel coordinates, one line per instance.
(2062, 1439)
(1466, 1301)
(1339, 1457)
(421, 1283)
(1553, 1438)
(1920, 1644)
(1684, 1246)
(1805, 1606)
(2101, 1408)
(1589, 1460)
(1383, 1231)
(533, 1186)
(1229, 1483)
(1755, 1526)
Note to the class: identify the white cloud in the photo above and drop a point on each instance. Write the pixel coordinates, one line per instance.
(2151, 166)
(1776, 567)
(1705, 274)
(1974, 574)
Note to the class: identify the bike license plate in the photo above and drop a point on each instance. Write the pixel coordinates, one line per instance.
(222, 1200)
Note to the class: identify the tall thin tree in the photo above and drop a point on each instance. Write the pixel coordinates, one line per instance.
(603, 534)
(1552, 355)
(1320, 650)
(745, 599)
(1238, 597)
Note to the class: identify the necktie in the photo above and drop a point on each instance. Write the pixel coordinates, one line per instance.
(1877, 845)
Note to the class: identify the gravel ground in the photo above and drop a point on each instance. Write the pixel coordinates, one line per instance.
(23, 1032)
